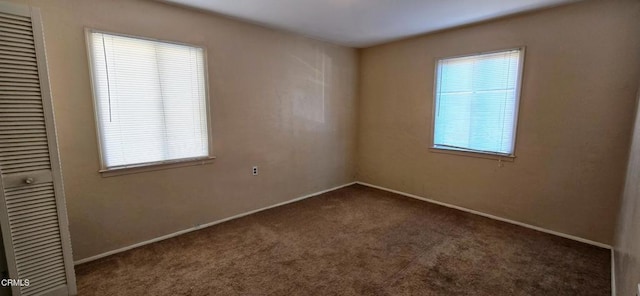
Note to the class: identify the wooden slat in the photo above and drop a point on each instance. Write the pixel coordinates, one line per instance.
(33, 205)
(17, 53)
(42, 252)
(18, 58)
(34, 123)
(43, 165)
(22, 148)
(21, 105)
(31, 188)
(20, 152)
(8, 62)
(23, 159)
(25, 37)
(21, 220)
(18, 68)
(38, 268)
(51, 221)
(33, 212)
(16, 30)
(17, 111)
(45, 287)
(22, 142)
(37, 223)
(26, 76)
(54, 287)
(35, 233)
(36, 241)
(27, 169)
(20, 89)
(14, 42)
(17, 193)
(26, 132)
(29, 238)
(33, 248)
(21, 139)
(15, 17)
(20, 117)
(7, 82)
(31, 267)
(20, 92)
(12, 133)
(17, 40)
(35, 100)
(14, 24)
(18, 197)
(17, 80)
(29, 201)
(46, 273)
(26, 195)
(34, 223)
(15, 131)
(20, 111)
(17, 166)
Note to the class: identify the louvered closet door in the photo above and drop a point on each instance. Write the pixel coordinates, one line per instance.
(33, 215)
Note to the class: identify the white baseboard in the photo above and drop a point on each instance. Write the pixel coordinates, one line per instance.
(613, 273)
(575, 238)
(105, 254)
(112, 252)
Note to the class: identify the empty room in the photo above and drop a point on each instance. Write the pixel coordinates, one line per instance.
(320, 147)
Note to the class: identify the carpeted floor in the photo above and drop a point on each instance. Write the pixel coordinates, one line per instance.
(355, 241)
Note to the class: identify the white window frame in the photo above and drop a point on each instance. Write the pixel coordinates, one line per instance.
(469, 152)
(157, 165)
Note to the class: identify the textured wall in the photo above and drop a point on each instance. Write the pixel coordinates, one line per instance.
(627, 243)
(581, 74)
(279, 101)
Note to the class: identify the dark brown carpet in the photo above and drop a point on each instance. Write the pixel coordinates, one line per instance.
(355, 241)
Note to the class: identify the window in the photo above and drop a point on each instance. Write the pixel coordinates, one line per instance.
(476, 102)
(150, 100)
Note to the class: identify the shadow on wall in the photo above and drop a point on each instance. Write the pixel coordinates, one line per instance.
(309, 97)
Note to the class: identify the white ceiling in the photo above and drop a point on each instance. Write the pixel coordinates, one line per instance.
(362, 23)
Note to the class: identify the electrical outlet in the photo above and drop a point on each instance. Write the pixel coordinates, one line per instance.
(254, 171)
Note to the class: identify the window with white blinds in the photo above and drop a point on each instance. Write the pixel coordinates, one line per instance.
(476, 102)
(150, 100)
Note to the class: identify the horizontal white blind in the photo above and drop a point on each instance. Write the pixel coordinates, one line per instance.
(476, 100)
(150, 100)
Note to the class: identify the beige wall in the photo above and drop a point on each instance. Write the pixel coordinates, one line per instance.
(627, 243)
(279, 101)
(580, 78)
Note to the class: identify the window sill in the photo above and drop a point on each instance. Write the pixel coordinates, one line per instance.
(500, 157)
(112, 172)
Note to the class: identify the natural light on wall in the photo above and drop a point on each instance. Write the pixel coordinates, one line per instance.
(476, 102)
(150, 99)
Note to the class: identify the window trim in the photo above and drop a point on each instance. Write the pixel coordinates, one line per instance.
(470, 152)
(156, 165)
